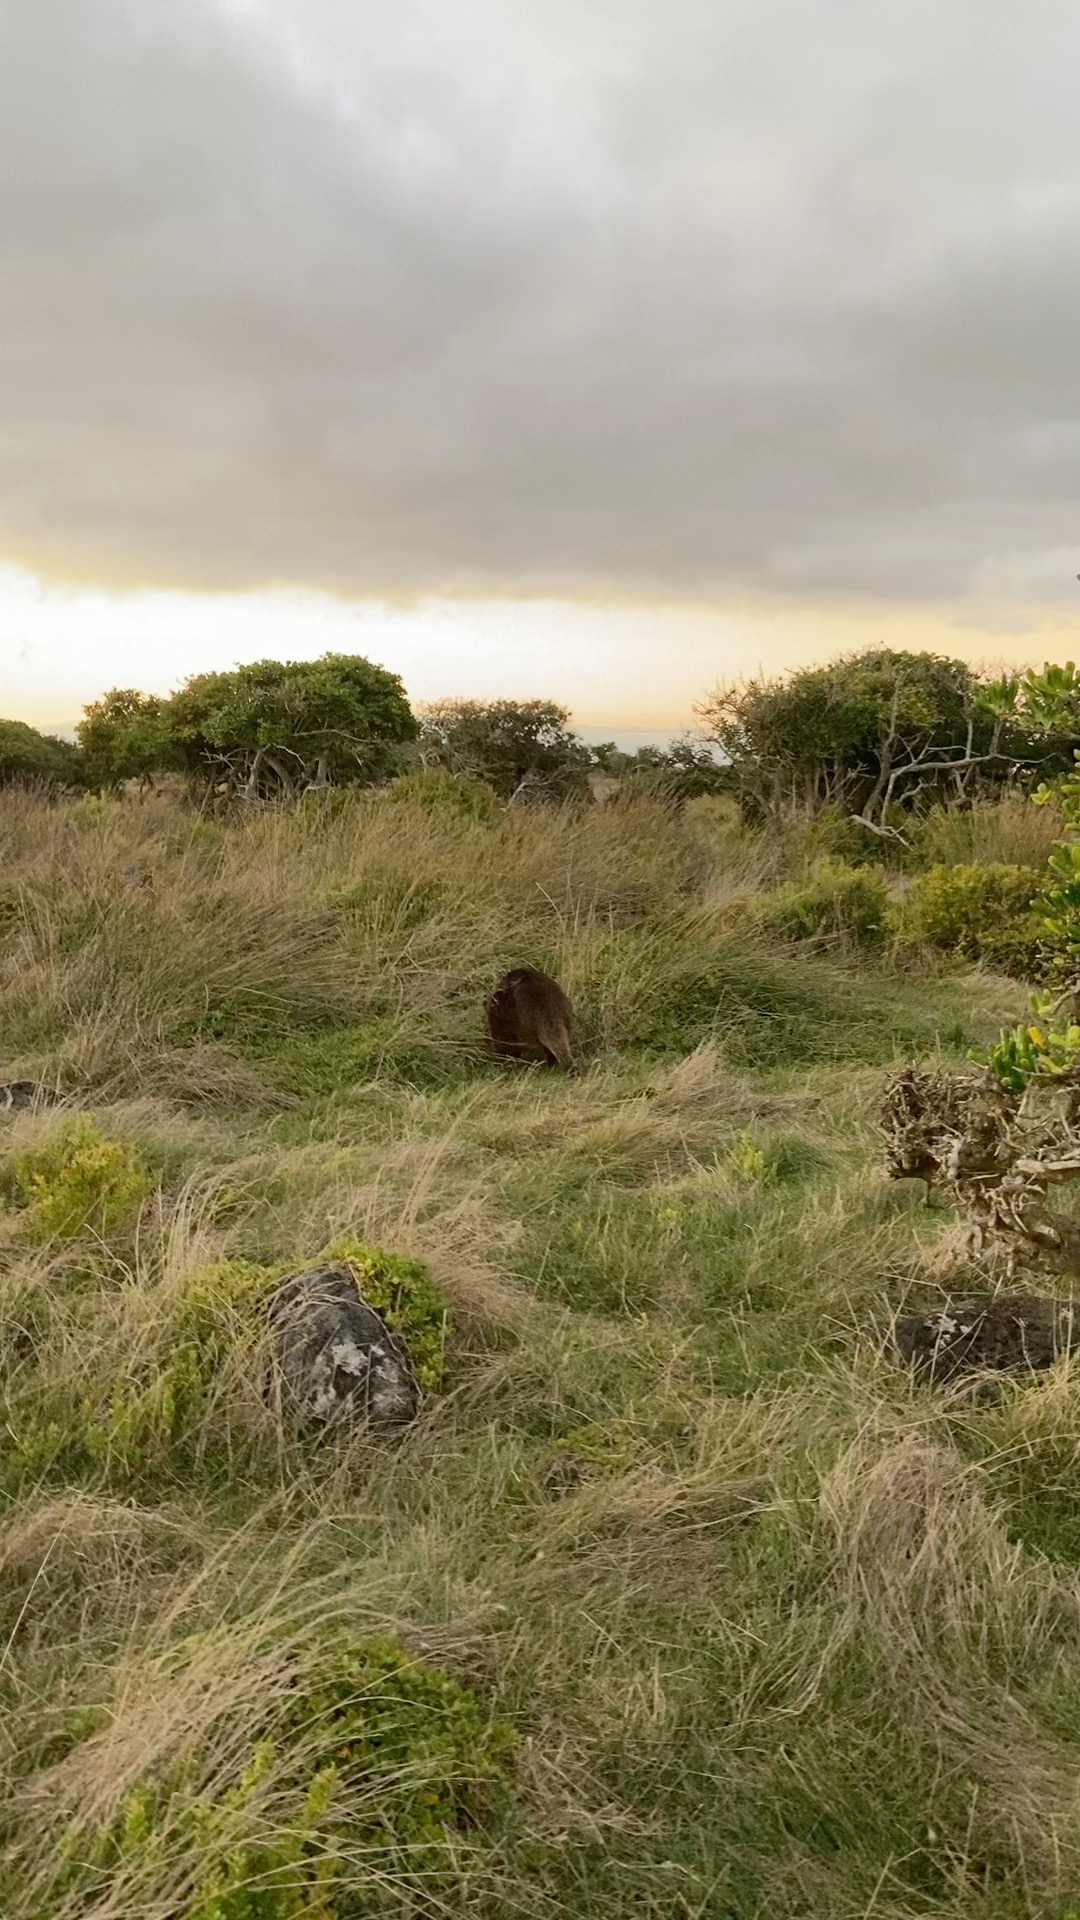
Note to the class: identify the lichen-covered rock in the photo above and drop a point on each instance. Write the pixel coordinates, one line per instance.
(1004, 1333)
(337, 1358)
(25, 1093)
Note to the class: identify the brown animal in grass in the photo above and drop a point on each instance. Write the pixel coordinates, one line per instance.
(530, 1018)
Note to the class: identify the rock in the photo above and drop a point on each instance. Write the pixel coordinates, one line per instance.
(25, 1093)
(337, 1357)
(1004, 1333)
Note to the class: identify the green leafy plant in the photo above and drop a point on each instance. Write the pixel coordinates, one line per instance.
(746, 1159)
(1048, 1048)
(1035, 1051)
(402, 1291)
(372, 1756)
(77, 1181)
(982, 914)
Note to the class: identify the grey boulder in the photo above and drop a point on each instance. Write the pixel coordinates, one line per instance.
(336, 1357)
(1004, 1333)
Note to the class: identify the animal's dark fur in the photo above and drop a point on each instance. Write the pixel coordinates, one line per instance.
(530, 1018)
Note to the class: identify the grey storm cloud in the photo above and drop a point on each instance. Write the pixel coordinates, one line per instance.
(543, 296)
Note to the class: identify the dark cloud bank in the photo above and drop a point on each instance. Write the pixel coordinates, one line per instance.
(565, 296)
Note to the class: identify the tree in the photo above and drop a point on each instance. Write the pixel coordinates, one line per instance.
(876, 733)
(30, 758)
(265, 731)
(522, 748)
(124, 736)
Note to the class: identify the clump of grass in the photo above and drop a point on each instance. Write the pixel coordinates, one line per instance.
(164, 1402)
(77, 1181)
(835, 905)
(1010, 832)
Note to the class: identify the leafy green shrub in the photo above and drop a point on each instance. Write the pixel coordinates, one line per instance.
(1049, 1047)
(837, 904)
(460, 796)
(978, 913)
(372, 1756)
(409, 1301)
(78, 1181)
(746, 1159)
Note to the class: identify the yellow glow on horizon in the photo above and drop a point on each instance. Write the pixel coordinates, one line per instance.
(618, 665)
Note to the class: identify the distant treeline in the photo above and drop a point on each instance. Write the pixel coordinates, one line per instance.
(877, 734)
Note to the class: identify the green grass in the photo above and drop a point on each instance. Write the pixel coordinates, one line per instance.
(791, 1637)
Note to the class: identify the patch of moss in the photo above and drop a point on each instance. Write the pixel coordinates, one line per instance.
(402, 1291)
(78, 1181)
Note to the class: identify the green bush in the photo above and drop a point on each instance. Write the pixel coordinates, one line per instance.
(78, 1181)
(372, 1756)
(979, 914)
(409, 1301)
(462, 796)
(837, 904)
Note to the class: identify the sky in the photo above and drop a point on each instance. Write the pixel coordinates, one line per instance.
(585, 349)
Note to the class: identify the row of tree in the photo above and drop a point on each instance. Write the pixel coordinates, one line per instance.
(274, 730)
(878, 734)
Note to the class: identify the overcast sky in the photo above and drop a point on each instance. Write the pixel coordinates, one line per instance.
(766, 307)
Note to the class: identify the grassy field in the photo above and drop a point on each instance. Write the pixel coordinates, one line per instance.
(739, 1621)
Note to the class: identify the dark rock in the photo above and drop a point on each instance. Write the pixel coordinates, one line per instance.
(25, 1093)
(1004, 1333)
(337, 1357)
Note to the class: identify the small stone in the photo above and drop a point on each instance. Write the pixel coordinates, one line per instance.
(1002, 1333)
(336, 1356)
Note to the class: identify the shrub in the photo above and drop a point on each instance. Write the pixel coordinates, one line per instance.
(78, 1181)
(837, 904)
(371, 1756)
(460, 796)
(979, 914)
(409, 1301)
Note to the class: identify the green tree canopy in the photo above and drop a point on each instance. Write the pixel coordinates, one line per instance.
(29, 758)
(520, 747)
(123, 736)
(875, 731)
(268, 730)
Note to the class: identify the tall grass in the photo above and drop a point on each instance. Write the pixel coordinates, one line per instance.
(777, 1631)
